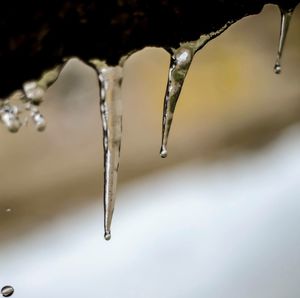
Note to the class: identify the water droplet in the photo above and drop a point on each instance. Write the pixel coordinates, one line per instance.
(39, 121)
(107, 236)
(110, 80)
(277, 68)
(163, 152)
(9, 116)
(7, 291)
(286, 16)
(181, 60)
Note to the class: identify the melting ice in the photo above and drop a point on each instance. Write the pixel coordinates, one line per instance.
(286, 16)
(181, 59)
(110, 80)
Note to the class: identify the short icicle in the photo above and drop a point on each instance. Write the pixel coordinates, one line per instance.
(179, 66)
(110, 80)
(181, 59)
(286, 16)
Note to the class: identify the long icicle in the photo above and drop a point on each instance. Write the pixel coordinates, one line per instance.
(181, 60)
(110, 80)
(286, 16)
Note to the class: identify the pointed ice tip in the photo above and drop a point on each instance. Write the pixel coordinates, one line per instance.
(163, 152)
(277, 68)
(107, 235)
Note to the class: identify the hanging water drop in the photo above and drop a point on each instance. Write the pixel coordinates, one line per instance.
(7, 291)
(107, 235)
(36, 116)
(11, 121)
(110, 80)
(179, 66)
(286, 16)
(39, 121)
(31, 96)
(9, 116)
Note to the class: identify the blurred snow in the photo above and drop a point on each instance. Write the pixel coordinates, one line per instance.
(226, 229)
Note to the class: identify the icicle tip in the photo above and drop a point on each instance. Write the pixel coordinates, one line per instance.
(107, 235)
(277, 68)
(163, 152)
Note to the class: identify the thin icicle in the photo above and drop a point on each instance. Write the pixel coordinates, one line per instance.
(179, 66)
(286, 16)
(110, 80)
(181, 60)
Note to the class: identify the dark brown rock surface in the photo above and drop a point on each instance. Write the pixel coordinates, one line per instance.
(37, 35)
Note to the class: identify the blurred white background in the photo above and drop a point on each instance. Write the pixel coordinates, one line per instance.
(218, 218)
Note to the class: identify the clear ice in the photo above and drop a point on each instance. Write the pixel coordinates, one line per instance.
(179, 66)
(36, 116)
(286, 16)
(10, 117)
(110, 81)
(34, 91)
(7, 291)
(30, 98)
(181, 59)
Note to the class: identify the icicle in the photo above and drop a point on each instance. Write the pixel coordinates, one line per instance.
(181, 60)
(7, 291)
(179, 66)
(286, 16)
(110, 80)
